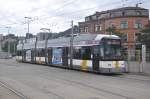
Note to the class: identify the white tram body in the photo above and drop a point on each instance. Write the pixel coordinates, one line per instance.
(91, 52)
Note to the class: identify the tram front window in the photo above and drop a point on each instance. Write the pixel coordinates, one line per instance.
(111, 50)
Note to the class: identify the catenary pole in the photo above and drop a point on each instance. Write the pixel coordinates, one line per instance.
(71, 45)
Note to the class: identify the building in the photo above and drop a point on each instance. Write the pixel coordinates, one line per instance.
(43, 36)
(8, 43)
(126, 20)
(29, 35)
(67, 32)
(1, 38)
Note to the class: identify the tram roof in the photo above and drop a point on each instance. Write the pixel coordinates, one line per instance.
(65, 41)
(83, 37)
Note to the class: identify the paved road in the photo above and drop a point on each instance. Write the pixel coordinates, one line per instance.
(7, 94)
(43, 82)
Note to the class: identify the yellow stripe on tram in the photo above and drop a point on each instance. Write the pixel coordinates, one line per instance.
(117, 64)
(84, 65)
(40, 60)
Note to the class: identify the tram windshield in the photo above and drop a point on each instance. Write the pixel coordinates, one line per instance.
(111, 49)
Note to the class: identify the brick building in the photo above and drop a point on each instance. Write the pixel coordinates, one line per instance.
(126, 20)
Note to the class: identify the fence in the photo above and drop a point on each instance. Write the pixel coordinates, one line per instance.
(134, 62)
(4, 55)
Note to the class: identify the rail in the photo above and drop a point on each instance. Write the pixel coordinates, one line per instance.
(13, 90)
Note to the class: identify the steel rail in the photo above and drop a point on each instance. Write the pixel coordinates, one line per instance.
(13, 90)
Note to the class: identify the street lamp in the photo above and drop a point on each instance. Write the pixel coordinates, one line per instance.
(28, 22)
(46, 42)
(137, 5)
(8, 27)
(45, 29)
(71, 45)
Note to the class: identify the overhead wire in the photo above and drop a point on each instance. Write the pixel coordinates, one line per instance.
(81, 11)
(70, 2)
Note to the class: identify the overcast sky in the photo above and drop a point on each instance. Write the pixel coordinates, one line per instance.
(53, 14)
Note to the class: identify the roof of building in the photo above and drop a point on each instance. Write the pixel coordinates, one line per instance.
(120, 9)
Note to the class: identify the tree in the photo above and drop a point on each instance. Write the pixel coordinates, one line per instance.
(12, 45)
(114, 31)
(144, 37)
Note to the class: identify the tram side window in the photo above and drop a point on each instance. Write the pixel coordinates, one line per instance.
(65, 51)
(41, 53)
(77, 53)
(38, 53)
(18, 53)
(86, 52)
(82, 53)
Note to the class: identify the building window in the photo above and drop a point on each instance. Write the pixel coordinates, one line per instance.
(123, 13)
(112, 25)
(136, 37)
(124, 25)
(138, 13)
(94, 17)
(86, 29)
(81, 30)
(97, 28)
(110, 14)
(138, 24)
(87, 19)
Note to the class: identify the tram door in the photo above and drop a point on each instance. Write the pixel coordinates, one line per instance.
(95, 58)
(49, 56)
(65, 56)
(24, 55)
(32, 55)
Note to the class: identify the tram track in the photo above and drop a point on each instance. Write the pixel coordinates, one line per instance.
(19, 94)
(112, 76)
(98, 90)
(84, 85)
(122, 77)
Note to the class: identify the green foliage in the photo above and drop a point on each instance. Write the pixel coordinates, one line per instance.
(144, 38)
(114, 31)
(5, 47)
(12, 45)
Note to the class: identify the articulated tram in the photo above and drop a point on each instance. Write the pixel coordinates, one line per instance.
(91, 52)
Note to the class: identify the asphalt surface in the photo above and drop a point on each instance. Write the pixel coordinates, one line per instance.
(44, 82)
(7, 94)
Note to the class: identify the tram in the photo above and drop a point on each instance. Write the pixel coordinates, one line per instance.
(91, 52)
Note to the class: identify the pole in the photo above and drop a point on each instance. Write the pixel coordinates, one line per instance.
(46, 47)
(8, 41)
(28, 22)
(71, 46)
(14, 48)
(28, 25)
(35, 53)
(143, 58)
